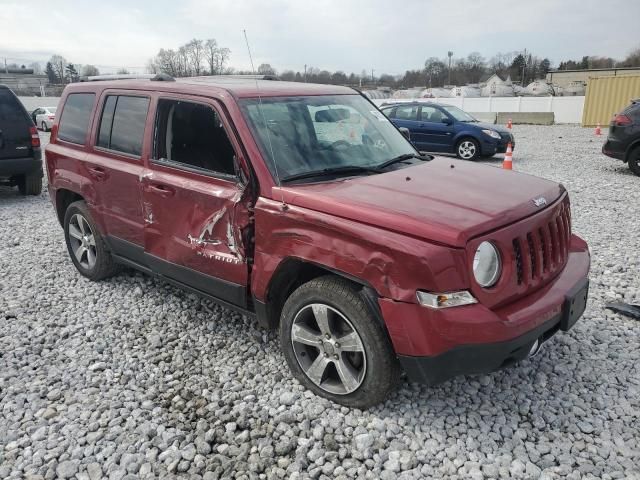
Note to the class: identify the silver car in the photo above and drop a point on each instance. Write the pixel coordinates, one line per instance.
(43, 117)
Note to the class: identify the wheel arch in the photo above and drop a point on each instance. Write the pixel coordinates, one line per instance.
(64, 198)
(293, 272)
(635, 144)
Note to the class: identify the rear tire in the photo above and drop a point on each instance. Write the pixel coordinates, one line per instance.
(44, 127)
(468, 149)
(86, 247)
(30, 184)
(634, 161)
(346, 358)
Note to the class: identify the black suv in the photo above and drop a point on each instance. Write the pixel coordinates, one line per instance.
(623, 141)
(20, 156)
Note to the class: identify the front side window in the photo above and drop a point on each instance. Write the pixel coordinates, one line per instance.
(122, 124)
(192, 135)
(431, 114)
(459, 115)
(310, 133)
(76, 115)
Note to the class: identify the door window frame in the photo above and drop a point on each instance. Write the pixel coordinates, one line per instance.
(183, 167)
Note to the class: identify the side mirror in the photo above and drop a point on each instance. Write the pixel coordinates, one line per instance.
(405, 131)
(446, 120)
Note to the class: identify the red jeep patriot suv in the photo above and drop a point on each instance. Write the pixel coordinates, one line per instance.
(303, 206)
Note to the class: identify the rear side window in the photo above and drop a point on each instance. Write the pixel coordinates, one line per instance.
(76, 114)
(10, 109)
(407, 112)
(122, 124)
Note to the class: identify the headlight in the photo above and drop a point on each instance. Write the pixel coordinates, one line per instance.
(491, 133)
(486, 265)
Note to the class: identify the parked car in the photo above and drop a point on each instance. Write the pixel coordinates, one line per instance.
(447, 129)
(623, 140)
(304, 207)
(20, 155)
(43, 117)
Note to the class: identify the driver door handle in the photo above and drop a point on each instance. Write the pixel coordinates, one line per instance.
(162, 190)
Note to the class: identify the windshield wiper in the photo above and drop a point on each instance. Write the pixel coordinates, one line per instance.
(331, 171)
(400, 158)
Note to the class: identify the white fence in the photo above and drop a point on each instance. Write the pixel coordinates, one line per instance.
(565, 109)
(31, 103)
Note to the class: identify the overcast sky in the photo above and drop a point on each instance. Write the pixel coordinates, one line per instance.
(388, 36)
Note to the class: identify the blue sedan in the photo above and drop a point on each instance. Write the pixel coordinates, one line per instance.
(447, 129)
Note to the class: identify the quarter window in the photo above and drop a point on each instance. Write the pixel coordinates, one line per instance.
(192, 135)
(76, 114)
(122, 124)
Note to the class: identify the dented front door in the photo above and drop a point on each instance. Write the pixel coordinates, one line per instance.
(194, 229)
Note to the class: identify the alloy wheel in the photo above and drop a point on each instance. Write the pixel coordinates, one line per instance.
(328, 349)
(83, 242)
(467, 149)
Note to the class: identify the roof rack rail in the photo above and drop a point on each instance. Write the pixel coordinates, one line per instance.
(154, 77)
(248, 76)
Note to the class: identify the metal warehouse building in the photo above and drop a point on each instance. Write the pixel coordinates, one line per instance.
(563, 78)
(606, 96)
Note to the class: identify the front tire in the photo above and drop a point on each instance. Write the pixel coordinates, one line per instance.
(468, 149)
(334, 346)
(85, 244)
(44, 127)
(634, 161)
(30, 184)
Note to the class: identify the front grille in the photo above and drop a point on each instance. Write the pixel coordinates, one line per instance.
(542, 252)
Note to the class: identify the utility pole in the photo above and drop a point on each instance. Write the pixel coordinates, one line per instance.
(372, 81)
(6, 70)
(524, 65)
(449, 54)
(305, 73)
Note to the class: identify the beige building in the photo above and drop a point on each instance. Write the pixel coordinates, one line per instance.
(562, 78)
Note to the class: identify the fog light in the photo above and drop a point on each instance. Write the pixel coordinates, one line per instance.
(445, 300)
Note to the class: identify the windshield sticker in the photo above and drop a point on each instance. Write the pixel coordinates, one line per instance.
(379, 115)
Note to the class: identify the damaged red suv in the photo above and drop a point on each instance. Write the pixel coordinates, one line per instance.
(302, 206)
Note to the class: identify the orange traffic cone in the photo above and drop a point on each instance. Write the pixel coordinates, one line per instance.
(598, 131)
(509, 124)
(507, 163)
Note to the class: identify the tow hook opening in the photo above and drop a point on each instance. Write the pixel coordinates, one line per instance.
(535, 348)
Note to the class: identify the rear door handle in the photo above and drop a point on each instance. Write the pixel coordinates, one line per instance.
(97, 172)
(162, 190)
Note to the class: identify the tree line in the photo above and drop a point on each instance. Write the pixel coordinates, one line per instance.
(207, 57)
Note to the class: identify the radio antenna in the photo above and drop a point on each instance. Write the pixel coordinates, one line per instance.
(264, 120)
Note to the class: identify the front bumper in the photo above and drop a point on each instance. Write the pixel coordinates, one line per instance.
(494, 146)
(435, 345)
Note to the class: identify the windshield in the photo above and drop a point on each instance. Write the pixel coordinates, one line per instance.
(312, 133)
(52, 109)
(459, 115)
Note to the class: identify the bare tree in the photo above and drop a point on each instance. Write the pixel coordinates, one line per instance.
(90, 70)
(123, 71)
(36, 67)
(195, 52)
(266, 69)
(59, 64)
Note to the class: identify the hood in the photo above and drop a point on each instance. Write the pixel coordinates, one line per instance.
(444, 200)
(492, 126)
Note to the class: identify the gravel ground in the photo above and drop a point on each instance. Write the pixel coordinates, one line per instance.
(132, 378)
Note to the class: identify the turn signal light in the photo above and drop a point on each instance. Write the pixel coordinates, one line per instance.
(445, 300)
